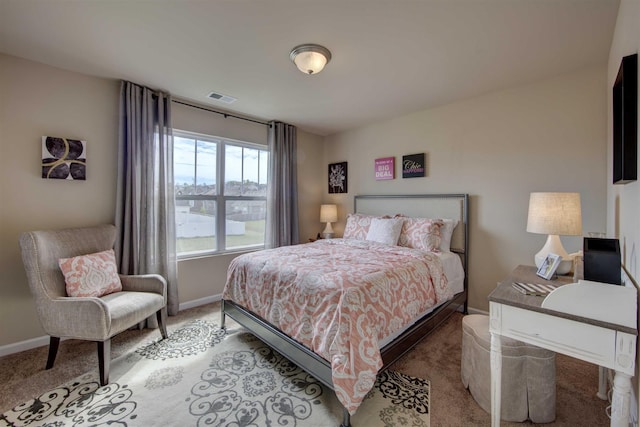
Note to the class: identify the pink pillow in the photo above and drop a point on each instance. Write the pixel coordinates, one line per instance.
(421, 233)
(92, 275)
(357, 226)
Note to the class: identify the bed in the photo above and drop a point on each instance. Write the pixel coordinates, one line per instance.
(354, 350)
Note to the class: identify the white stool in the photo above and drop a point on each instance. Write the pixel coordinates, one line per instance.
(528, 374)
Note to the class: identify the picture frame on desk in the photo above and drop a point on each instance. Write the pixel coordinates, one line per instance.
(549, 266)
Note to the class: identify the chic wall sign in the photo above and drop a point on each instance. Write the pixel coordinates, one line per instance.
(338, 177)
(413, 166)
(64, 158)
(384, 168)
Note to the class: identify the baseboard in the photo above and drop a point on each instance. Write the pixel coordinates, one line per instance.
(32, 343)
(198, 302)
(472, 310)
(17, 347)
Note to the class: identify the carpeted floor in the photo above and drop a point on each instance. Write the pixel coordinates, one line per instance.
(437, 359)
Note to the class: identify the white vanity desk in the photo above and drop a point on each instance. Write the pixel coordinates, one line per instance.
(568, 321)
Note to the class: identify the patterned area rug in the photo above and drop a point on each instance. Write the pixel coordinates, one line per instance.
(204, 376)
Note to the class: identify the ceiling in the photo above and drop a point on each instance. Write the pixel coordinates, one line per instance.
(390, 58)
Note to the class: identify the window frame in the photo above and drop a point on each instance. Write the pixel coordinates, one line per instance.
(220, 198)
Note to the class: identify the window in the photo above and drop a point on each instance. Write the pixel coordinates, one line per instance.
(221, 194)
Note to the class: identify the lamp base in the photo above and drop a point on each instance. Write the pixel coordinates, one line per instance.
(328, 233)
(554, 246)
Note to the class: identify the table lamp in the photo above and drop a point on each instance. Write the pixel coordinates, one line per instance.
(555, 214)
(328, 214)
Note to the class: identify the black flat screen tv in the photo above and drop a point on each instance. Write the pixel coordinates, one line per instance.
(625, 122)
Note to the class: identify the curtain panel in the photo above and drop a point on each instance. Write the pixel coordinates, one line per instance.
(282, 200)
(145, 206)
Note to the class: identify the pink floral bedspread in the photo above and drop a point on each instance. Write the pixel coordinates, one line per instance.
(339, 298)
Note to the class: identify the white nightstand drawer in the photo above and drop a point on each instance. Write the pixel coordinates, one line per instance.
(584, 341)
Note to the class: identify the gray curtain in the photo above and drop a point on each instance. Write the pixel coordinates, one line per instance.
(145, 206)
(282, 201)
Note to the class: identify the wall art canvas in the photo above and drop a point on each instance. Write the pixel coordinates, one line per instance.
(385, 168)
(413, 166)
(64, 158)
(338, 177)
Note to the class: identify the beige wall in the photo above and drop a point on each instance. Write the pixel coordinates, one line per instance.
(37, 100)
(547, 136)
(623, 201)
(311, 184)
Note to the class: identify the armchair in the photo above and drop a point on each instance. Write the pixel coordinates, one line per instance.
(86, 318)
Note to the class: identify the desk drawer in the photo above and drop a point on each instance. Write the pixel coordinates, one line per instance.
(581, 340)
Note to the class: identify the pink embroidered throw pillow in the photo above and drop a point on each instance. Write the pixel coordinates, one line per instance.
(357, 226)
(421, 233)
(92, 275)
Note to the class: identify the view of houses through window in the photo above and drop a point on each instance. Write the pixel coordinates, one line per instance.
(221, 193)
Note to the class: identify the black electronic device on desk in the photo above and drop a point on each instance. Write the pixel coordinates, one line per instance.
(602, 262)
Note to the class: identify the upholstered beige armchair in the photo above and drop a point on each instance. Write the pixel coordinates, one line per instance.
(87, 318)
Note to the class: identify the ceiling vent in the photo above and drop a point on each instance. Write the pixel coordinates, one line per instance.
(222, 98)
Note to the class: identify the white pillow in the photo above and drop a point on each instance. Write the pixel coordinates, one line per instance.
(385, 230)
(446, 232)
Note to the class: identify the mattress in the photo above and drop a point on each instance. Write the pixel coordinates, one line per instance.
(452, 265)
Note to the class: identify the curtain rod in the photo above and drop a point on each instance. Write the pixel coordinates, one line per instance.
(220, 112)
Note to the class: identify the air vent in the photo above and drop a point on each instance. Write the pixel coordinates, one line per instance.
(222, 98)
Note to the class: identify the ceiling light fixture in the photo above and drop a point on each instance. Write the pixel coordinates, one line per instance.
(310, 58)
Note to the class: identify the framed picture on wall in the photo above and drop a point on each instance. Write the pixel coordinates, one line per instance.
(413, 166)
(64, 158)
(384, 168)
(338, 177)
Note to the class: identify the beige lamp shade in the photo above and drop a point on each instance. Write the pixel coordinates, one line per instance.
(328, 214)
(555, 214)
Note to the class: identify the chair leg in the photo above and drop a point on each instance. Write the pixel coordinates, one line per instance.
(162, 321)
(54, 342)
(104, 359)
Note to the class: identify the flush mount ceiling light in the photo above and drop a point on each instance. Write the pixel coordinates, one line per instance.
(310, 58)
